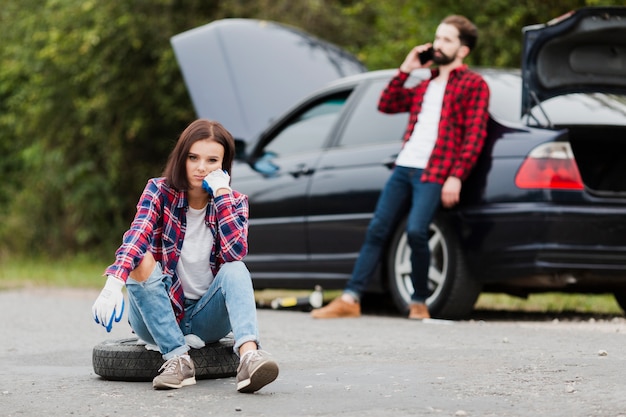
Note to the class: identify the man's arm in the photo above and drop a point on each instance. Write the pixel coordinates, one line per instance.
(475, 131)
(395, 98)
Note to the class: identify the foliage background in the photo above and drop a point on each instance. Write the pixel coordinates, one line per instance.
(91, 98)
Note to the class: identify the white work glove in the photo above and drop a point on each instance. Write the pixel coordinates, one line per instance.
(216, 180)
(109, 305)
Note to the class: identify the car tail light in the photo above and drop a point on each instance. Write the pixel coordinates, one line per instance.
(552, 166)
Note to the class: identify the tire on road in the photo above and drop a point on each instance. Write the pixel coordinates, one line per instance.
(126, 360)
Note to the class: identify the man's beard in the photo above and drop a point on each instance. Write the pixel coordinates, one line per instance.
(440, 58)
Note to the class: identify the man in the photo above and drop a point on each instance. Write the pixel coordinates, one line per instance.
(442, 141)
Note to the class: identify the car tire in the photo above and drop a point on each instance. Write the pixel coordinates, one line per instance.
(127, 360)
(453, 291)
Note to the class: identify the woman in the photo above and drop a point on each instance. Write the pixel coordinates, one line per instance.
(181, 262)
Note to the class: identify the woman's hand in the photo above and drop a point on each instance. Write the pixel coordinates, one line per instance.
(217, 183)
(109, 306)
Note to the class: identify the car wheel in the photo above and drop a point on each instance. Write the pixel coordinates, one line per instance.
(127, 360)
(453, 291)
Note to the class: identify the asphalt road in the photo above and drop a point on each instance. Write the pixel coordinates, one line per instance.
(378, 365)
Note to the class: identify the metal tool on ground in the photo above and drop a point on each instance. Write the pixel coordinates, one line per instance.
(314, 300)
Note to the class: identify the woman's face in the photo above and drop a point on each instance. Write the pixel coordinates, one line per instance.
(204, 156)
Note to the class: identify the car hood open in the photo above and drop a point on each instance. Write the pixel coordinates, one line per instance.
(245, 72)
(583, 51)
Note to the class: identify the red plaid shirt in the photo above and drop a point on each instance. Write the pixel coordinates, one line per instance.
(159, 227)
(463, 124)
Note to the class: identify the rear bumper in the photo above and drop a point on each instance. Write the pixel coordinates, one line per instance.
(579, 245)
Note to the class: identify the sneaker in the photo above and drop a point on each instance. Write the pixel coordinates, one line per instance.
(256, 370)
(337, 308)
(418, 311)
(177, 372)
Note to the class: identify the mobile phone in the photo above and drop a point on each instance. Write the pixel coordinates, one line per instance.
(426, 56)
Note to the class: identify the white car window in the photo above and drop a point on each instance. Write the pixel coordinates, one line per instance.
(309, 131)
(367, 125)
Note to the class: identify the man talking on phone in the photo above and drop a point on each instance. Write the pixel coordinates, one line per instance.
(448, 116)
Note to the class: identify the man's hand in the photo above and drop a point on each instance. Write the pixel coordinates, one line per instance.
(412, 61)
(109, 305)
(451, 192)
(216, 181)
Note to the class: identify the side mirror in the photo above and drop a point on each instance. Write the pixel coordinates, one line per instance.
(265, 165)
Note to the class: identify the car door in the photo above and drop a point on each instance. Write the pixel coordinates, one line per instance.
(349, 178)
(284, 164)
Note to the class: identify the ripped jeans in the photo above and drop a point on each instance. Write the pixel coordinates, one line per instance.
(228, 305)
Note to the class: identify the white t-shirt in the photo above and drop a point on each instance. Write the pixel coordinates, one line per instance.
(417, 150)
(194, 269)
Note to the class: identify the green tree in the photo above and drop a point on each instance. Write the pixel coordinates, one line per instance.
(92, 102)
(91, 98)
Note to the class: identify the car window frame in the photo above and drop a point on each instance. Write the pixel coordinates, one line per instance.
(355, 100)
(268, 136)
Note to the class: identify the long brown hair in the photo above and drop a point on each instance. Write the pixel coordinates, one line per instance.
(175, 170)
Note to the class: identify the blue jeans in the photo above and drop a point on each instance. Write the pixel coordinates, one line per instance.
(228, 305)
(404, 192)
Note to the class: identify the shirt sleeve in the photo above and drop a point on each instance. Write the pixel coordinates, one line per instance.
(395, 98)
(232, 219)
(136, 240)
(475, 129)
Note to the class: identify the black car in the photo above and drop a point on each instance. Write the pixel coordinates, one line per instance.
(544, 209)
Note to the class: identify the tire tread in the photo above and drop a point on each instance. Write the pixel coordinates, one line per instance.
(126, 360)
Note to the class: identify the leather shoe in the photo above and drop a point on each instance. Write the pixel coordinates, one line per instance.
(418, 311)
(337, 308)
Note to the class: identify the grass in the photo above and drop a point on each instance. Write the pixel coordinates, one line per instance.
(85, 272)
(552, 302)
(75, 272)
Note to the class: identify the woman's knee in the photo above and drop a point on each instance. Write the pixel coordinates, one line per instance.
(144, 269)
(237, 268)
(234, 274)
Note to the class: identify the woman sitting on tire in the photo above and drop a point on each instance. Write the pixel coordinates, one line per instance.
(181, 262)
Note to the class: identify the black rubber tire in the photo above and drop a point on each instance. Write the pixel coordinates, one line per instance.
(453, 291)
(125, 360)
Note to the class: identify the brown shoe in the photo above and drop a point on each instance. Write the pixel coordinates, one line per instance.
(418, 311)
(337, 308)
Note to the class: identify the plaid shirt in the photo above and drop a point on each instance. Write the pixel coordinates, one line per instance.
(159, 227)
(463, 123)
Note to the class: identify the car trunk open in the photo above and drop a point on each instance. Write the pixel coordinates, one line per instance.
(583, 51)
(600, 156)
(582, 55)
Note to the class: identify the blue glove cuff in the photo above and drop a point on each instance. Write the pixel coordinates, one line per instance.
(206, 187)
